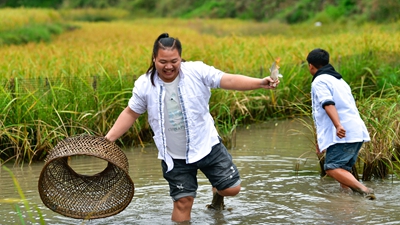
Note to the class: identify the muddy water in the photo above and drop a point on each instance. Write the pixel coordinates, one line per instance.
(281, 185)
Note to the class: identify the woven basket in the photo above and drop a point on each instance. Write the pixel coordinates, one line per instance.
(81, 196)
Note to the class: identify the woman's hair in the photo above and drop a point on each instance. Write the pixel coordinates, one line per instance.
(164, 41)
(318, 58)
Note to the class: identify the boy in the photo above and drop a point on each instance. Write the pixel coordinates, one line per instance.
(340, 129)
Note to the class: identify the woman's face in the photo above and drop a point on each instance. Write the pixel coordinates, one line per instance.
(168, 64)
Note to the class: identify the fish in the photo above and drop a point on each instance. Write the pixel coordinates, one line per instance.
(274, 70)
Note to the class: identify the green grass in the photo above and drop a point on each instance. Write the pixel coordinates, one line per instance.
(20, 26)
(382, 116)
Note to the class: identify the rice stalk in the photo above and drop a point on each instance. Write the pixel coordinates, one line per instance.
(25, 202)
(381, 116)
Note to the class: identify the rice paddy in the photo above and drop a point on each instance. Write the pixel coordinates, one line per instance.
(81, 80)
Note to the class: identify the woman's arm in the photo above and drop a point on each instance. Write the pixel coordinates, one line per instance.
(244, 83)
(124, 122)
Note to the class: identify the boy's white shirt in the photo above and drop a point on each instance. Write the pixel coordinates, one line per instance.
(328, 88)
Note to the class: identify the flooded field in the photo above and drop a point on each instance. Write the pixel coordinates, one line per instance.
(281, 185)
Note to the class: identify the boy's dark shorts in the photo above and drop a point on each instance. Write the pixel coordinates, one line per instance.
(342, 155)
(217, 166)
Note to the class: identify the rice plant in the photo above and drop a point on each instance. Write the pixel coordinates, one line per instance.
(14, 18)
(29, 210)
(81, 80)
(381, 115)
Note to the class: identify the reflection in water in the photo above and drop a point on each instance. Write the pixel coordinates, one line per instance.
(273, 192)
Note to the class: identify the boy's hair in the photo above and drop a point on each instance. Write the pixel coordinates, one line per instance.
(318, 58)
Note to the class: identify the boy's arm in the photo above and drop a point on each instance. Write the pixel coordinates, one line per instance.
(124, 122)
(244, 83)
(333, 114)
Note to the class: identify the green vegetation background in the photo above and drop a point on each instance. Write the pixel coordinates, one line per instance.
(87, 99)
(290, 11)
